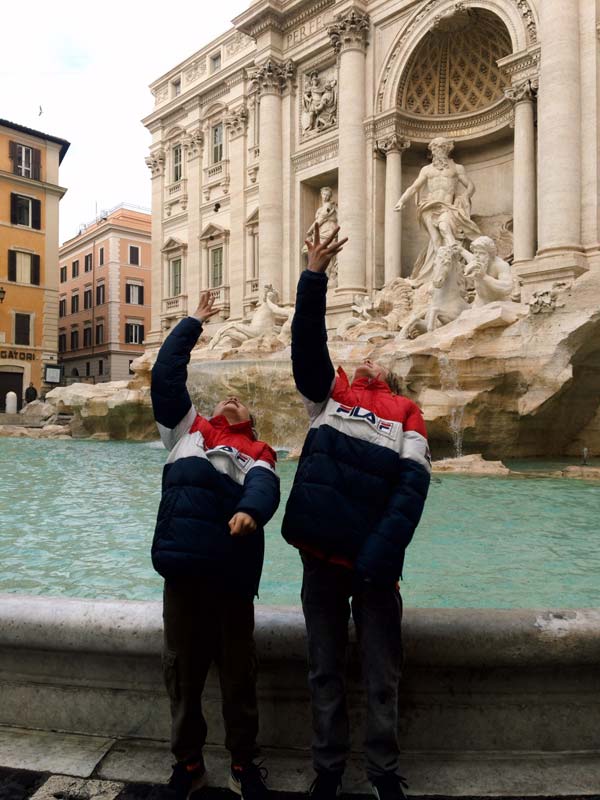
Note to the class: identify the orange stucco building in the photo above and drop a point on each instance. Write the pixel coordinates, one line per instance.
(104, 296)
(29, 199)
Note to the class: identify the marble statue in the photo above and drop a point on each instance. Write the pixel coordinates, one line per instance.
(444, 211)
(327, 218)
(319, 103)
(264, 323)
(448, 293)
(491, 276)
(380, 315)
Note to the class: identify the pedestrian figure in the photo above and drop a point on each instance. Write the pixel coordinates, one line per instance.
(30, 393)
(219, 489)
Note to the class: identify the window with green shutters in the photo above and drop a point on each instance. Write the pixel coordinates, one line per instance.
(23, 329)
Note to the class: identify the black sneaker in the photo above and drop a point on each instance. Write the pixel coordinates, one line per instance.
(249, 781)
(186, 778)
(389, 786)
(326, 786)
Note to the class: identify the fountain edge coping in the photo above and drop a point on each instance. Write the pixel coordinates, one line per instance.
(435, 637)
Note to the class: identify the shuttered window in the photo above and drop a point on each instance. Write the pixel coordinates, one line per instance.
(216, 267)
(75, 269)
(74, 303)
(63, 274)
(87, 263)
(134, 255)
(217, 143)
(134, 294)
(134, 333)
(23, 267)
(22, 329)
(62, 307)
(100, 333)
(87, 337)
(100, 298)
(176, 163)
(101, 257)
(175, 277)
(75, 340)
(87, 298)
(62, 342)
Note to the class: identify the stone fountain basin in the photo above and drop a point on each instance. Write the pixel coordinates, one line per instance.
(478, 684)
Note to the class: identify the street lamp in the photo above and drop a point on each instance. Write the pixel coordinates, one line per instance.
(2, 294)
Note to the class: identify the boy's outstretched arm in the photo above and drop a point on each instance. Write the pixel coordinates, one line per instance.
(313, 370)
(171, 403)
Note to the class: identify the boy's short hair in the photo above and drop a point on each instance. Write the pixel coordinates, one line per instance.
(395, 383)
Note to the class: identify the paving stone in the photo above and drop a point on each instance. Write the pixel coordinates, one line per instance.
(48, 751)
(65, 787)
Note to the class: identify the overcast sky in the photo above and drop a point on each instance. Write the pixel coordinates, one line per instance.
(88, 65)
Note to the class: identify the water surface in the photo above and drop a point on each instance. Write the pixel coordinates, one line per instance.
(77, 520)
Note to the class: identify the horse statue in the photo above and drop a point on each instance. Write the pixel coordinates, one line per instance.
(447, 296)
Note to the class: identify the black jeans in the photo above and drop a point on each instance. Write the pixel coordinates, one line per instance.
(205, 623)
(328, 594)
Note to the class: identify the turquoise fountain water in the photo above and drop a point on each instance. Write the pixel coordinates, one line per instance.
(77, 520)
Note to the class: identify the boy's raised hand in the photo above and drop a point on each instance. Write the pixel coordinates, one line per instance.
(241, 524)
(320, 253)
(205, 308)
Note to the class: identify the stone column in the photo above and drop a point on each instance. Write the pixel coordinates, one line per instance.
(348, 34)
(270, 79)
(559, 128)
(193, 170)
(524, 181)
(393, 147)
(156, 164)
(236, 123)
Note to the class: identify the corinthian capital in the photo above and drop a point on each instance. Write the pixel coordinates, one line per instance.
(272, 77)
(393, 144)
(236, 121)
(524, 91)
(155, 162)
(349, 31)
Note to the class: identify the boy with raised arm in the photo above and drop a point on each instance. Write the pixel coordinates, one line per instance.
(219, 489)
(357, 498)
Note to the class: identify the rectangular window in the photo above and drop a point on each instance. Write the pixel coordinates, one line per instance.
(23, 329)
(75, 340)
(215, 62)
(62, 307)
(134, 294)
(100, 333)
(177, 171)
(23, 267)
(175, 277)
(25, 211)
(62, 342)
(87, 298)
(134, 333)
(74, 303)
(100, 299)
(217, 143)
(101, 257)
(87, 263)
(75, 269)
(24, 165)
(216, 267)
(87, 337)
(63, 274)
(100, 367)
(134, 255)
(87, 363)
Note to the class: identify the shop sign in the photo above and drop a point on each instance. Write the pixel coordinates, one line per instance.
(20, 355)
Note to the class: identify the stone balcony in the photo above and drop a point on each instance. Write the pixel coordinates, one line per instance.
(176, 194)
(215, 176)
(174, 306)
(221, 296)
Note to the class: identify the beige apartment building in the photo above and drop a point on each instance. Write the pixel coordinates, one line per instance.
(327, 108)
(105, 296)
(29, 198)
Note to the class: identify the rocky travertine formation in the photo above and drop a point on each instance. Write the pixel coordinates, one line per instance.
(470, 465)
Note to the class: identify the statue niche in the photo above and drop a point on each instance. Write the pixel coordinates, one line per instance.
(327, 218)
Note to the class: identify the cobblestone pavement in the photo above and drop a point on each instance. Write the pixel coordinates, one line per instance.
(18, 784)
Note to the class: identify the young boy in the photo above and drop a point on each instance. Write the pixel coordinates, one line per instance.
(357, 498)
(219, 489)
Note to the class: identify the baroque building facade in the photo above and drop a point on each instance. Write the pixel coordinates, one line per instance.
(303, 96)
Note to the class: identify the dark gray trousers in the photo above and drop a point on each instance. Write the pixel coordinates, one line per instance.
(329, 593)
(206, 623)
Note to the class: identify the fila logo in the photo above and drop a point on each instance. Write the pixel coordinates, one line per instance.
(384, 426)
(242, 460)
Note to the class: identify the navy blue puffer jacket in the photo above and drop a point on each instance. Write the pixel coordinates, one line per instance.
(213, 470)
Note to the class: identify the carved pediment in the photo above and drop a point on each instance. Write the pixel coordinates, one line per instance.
(253, 218)
(173, 244)
(213, 231)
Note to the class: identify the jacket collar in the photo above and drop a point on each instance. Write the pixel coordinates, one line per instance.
(241, 428)
(373, 384)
